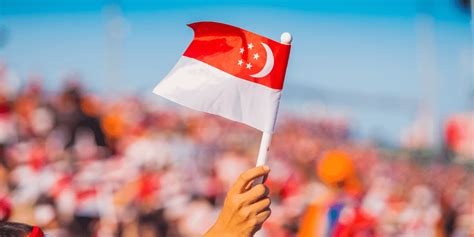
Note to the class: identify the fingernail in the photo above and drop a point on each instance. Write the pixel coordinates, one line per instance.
(266, 168)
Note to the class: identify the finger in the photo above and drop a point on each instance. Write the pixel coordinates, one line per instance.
(249, 186)
(263, 216)
(259, 180)
(255, 193)
(260, 205)
(247, 177)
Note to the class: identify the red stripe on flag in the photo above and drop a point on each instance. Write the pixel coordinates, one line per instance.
(240, 53)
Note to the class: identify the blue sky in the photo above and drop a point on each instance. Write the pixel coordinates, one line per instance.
(361, 57)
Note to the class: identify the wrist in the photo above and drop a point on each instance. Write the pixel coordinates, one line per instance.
(216, 231)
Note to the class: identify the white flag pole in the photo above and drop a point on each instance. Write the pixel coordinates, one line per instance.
(285, 38)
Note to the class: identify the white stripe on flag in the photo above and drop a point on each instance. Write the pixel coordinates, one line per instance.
(199, 86)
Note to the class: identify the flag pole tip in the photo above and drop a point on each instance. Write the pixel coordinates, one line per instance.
(286, 38)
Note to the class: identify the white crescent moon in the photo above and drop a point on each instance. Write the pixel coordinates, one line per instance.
(267, 68)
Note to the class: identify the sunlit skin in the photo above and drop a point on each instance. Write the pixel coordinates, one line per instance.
(246, 207)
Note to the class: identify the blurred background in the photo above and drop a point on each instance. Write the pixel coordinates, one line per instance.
(375, 135)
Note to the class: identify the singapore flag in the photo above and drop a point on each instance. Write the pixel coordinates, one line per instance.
(229, 72)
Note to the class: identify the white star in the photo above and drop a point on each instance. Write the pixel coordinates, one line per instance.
(256, 56)
(250, 46)
(249, 65)
(240, 62)
(241, 50)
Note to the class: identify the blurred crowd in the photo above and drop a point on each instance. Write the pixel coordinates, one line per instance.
(77, 164)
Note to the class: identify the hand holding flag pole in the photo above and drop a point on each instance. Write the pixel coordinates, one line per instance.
(285, 38)
(239, 75)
